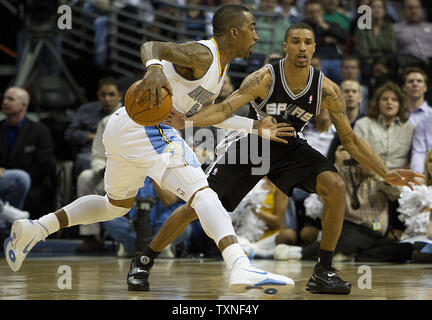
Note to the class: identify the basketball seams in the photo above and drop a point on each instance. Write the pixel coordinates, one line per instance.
(141, 109)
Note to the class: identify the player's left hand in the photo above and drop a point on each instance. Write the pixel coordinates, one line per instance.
(175, 119)
(403, 177)
(268, 128)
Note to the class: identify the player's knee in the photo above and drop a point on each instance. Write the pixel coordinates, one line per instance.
(203, 195)
(189, 213)
(330, 186)
(286, 236)
(113, 211)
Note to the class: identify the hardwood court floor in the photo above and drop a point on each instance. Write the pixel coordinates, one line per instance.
(104, 278)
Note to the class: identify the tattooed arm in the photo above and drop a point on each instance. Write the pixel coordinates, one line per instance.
(191, 60)
(255, 85)
(334, 102)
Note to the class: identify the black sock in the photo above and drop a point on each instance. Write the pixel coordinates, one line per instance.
(326, 258)
(147, 257)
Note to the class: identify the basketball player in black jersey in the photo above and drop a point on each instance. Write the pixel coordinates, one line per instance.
(291, 91)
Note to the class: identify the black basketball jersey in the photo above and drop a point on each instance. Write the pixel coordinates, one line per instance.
(283, 104)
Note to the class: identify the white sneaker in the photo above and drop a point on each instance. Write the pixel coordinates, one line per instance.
(11, 214)
(286, 252)
(167, 252)
(23, 237)
(245, 278)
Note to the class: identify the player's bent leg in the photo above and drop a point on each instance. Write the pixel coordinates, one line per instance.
(85, 210)
(174, 225)
(243, 276)
(331, 188)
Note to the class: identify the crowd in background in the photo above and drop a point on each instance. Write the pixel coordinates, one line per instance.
(384, 73)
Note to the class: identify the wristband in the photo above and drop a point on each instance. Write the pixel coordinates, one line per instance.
(152, 62)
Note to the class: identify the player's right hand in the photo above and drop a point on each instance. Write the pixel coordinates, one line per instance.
(268, 128)
(153, 80)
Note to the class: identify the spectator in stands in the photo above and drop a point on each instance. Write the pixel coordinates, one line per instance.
(288, 9)
(422, 142)
(382, 70)
(82, 129)
(352, 95)
(122, 230)
(413, 36)
(351, 71)
(386, 126)
(90, 181)
(196, 21)
(316, 62)
(378, 41)
(333, 13)
(415, 86)
(363, 235)
(329, 37)
(271, 28)
(26, 146)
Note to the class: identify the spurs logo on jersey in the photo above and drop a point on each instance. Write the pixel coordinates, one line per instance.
(202, 97)
(284, 105)
(285, 110)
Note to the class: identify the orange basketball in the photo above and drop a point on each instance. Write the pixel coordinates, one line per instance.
(141, 112)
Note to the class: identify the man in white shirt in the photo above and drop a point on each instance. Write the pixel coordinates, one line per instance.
(415, 87)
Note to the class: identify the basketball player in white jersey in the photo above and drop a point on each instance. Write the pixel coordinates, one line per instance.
(193, 73)
(291, 91)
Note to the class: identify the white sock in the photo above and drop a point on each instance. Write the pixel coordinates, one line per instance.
(235, 256)
(50, 223)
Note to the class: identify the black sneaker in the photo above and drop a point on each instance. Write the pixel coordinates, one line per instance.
(137, 278)
(325, 280)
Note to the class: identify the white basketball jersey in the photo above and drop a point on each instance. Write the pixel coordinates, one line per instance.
(189, 96)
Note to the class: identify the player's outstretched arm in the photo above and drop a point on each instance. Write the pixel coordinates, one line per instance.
(255, 85)
(191, 55)
(334, 101)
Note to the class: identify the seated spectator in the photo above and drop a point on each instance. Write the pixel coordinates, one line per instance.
(91, 181)
(380, 72)
(270, 28)
(351, 71)
(415, 211)
(333, 13)
(378, 41)
(122, 230)
(259, 218)
(351, 92)
(316, 62)
(415, 86)
(422, 142)
(329, 39)
(413, 35)
(288, 10)
(386, 126)
(387, 129)
(26, 146)
(82, 129)
(363, 235)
